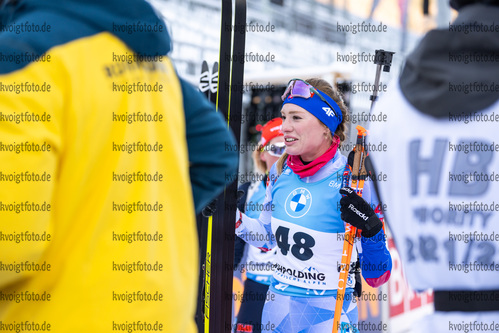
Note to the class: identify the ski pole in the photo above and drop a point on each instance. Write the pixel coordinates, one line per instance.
(383, 59)
(358, 174)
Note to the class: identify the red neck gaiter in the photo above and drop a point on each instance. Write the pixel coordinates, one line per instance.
(302, 170)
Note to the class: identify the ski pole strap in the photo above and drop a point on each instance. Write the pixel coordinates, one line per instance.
(466, 300)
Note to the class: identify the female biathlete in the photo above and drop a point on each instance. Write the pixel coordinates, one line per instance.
(258, 263)
(303, 215)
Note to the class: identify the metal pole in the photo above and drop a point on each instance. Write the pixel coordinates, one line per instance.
(381, 58)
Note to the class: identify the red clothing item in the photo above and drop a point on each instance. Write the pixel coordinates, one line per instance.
(307, 170)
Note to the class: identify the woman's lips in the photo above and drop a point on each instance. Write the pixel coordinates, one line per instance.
(288, 141)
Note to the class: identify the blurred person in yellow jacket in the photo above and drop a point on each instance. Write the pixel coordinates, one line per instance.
(105, 156)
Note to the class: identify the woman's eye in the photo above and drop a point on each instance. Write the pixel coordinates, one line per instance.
(296, 117)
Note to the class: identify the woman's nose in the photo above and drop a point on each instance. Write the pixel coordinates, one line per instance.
(286, 126)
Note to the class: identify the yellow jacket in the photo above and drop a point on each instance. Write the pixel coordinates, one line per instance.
(100, 155)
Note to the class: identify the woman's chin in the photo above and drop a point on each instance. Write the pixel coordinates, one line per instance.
(291, 152)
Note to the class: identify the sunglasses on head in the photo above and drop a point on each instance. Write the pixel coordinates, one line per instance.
(300, 88)
(275, 149)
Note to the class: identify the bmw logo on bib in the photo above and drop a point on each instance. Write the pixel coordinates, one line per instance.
(298, 202)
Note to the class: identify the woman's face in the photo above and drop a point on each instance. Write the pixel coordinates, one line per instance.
(304, 134)
(265, 155)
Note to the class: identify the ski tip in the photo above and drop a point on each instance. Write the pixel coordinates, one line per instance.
(204, 66)
(204, 80)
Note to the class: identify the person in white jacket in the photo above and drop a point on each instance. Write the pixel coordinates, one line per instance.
(441, 164)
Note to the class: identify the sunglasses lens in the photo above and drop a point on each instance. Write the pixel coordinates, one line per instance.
(297, 88)
(288, 90)
(276, 150)
(301, 89)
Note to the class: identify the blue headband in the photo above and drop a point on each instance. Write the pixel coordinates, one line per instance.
(322, 111)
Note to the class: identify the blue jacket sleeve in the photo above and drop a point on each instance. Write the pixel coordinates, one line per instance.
(375, 260)
(213, 161)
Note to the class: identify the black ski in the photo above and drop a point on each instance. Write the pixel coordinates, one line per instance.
(229, 102)
(201, 221)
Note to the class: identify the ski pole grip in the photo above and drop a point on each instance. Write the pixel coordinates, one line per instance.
(383, 58)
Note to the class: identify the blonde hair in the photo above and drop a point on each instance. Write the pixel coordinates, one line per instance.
(340, 131)
(260, 165)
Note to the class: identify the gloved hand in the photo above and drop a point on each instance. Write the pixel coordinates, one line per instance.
(240, 207)
(359, 213)
(210, 208)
